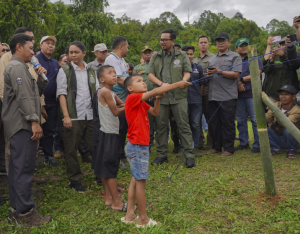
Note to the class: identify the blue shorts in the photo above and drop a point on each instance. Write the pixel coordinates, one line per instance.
(138, 159)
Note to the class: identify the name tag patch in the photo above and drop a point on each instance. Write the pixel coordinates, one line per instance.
(177, 63)
(92, 80)
(19, 81)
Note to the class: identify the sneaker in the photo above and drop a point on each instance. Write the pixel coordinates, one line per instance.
(189, 162)
(226, 154)
(30, 219)
(51, 162)
(242, 147)
(159, 161)
(78, 187)
(255, 150)
(57, 154)
(214, 151)
(3, 172)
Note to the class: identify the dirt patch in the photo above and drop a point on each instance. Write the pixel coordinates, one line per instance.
(272, 200)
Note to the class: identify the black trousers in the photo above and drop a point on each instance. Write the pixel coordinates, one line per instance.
(222, 124)
(21, 170)
(123, 133)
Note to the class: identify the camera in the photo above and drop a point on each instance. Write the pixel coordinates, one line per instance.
(293, 37)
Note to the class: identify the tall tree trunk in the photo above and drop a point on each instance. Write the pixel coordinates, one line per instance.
(261, 123)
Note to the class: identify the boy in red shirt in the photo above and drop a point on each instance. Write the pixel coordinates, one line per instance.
(137, 147)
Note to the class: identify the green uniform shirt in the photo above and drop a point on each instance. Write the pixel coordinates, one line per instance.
(141, 70)
(173, 62)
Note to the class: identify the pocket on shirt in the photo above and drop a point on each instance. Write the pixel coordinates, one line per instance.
(226, 65)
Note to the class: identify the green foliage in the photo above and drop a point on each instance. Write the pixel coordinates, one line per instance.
(282, 28)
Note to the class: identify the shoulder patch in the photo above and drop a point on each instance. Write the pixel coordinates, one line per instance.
(19, 81)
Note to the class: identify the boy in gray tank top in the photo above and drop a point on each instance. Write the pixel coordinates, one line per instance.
(106, 162)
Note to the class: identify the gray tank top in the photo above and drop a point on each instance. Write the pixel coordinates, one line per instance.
(109, 122)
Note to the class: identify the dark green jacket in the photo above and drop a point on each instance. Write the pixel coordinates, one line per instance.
(278, 74)
(72, 87)
(180, 64)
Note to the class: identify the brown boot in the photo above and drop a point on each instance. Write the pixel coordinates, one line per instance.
(31, 218)
(38, 180)
(226, 154)
(213, 151)
(88, 159)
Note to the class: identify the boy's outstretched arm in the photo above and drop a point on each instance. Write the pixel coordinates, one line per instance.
(161, 90)
(106, 94)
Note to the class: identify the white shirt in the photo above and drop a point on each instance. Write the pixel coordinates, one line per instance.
(83, 98)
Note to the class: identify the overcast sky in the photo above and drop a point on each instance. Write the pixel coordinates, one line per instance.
(260, 11)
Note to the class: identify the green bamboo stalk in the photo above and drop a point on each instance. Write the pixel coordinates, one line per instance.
(281, 117)
(261, 123)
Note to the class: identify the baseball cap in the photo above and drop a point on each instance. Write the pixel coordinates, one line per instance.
(48, 37)
(288, 88)
(223, 35)
(146, 47)
(100, 47)
(177, 44)
(242, 41)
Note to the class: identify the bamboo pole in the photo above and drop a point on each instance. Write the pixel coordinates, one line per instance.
(261, 123)
(281, 117)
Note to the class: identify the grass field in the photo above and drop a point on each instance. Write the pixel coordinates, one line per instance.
(219, 195)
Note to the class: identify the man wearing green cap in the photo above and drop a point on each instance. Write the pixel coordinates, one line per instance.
(146, 53)
(245, 105)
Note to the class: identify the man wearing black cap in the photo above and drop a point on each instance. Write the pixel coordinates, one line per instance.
(222, 95)
(279, 136)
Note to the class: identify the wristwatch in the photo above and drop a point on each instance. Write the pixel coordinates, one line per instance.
(242, 80)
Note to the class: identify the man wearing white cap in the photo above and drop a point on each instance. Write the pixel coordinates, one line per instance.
(100, 51)
(47, 45)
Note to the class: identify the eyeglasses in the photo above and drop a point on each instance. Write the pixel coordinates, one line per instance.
(5, 50)
(103, 52)
(165, 39)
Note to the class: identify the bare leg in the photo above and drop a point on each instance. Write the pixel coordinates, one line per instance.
(107, 194)
(130, 215)
(117, 204)
(141, 201)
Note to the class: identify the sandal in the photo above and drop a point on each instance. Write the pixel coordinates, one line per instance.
(151, 223)
(132, 221)
(121, 190)
(274, 152)
(291, 154)
(124, 208)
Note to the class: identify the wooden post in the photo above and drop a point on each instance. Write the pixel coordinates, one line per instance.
(281, 117)
(261, 123)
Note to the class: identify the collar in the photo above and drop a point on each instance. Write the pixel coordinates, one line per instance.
(229, 51)
(45, 58)
(77, 68)
(98, 64)
(113, 54)
(20, 60)
(207, 54)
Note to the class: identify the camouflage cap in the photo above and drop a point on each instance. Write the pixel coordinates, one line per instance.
(146, 47)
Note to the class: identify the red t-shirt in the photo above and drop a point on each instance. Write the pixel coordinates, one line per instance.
(137, 119)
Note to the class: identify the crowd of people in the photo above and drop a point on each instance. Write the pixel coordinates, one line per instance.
(69, 108)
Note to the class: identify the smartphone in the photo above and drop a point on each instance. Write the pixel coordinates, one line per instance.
(298, 19)
(210, 68)
(293, 37)
(277, 38)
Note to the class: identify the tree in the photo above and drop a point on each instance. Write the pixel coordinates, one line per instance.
(92, 6)
(282, 28)
(238, 16)
(36, 14)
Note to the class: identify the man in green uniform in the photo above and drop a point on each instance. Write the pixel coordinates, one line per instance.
(166, 67)
(146, 53)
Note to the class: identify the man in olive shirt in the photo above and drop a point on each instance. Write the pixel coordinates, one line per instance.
(202, 59)
(146, 53)
(166, 67)
(222, 95)
(21, 118)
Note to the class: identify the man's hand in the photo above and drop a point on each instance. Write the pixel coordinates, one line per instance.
(40, 70)
(215, 70)
(44, 113)
(68, 122)
(241, 87)
(121, 105)
(160, 96)
(183, 84)
(279, 52)
(296, 24)
(37, 131)
(288, 41)
(270, 40)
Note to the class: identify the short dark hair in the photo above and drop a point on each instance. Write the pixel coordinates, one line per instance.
(67, 50)
(23, 30)
(102, 69)
(117, 41)
(19, 38)
(188, 47)
(79, 44)
(128, 81)
(172, 33)
(203, 37)
(37, 50)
